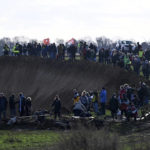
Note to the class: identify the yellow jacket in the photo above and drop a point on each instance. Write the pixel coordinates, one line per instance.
(15, 50)
(141, 54)
(75, 100)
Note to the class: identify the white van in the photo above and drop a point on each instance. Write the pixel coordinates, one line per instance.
(124, 45)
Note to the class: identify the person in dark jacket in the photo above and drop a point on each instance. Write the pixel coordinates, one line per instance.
(143, 93)
(28, 106)
(131, 112)
(12, 106)
(84, 99)
(147, 54)
(21, 104)
(136, 101)
(6, 50)
(101, 55)
(72, 51)
(3, 106)
(145, 69)
(57, 106)
(53, 51)
(114, 105)
(136, 65)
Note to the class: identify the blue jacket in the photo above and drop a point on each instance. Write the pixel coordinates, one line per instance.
(21, 103)
(103, 96)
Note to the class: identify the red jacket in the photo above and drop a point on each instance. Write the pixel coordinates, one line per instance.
(122, 92)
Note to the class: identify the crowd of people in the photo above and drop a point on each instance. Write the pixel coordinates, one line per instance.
(125, 103)
(21, 103)
(137, 59)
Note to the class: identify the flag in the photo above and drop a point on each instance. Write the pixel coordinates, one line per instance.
(71, 42)
(46, 41)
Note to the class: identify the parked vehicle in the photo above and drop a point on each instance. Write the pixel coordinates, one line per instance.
(125, 45)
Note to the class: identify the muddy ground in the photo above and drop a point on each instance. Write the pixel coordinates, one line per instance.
(42, 79)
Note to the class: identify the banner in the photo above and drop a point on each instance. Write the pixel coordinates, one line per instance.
(46, 41)
(71, 42)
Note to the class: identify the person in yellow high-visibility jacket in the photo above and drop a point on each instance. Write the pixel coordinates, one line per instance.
(141, 53)
(15, 50)
(127, 62)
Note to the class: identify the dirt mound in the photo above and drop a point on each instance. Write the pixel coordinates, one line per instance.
(42, 79)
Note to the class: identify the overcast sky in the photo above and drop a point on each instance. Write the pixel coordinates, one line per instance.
(125, 19)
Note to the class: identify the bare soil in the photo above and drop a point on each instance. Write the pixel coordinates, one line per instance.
(42, 79)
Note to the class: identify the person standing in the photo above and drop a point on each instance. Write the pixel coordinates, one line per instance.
(141, 54)
(114, 105)
(12, 106)
(6, 50)
(76, 96)
(16, 50)
(103, 98)
(57, 106)
(95, 101)
(21, 104)
(123, 106)
(84, 99)
(28, 106)
(3, 106)
(145, 69)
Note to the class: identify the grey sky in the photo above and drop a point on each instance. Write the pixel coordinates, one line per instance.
(125, 19)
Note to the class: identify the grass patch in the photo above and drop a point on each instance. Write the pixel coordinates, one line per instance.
(82, 139)
(20, 140)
